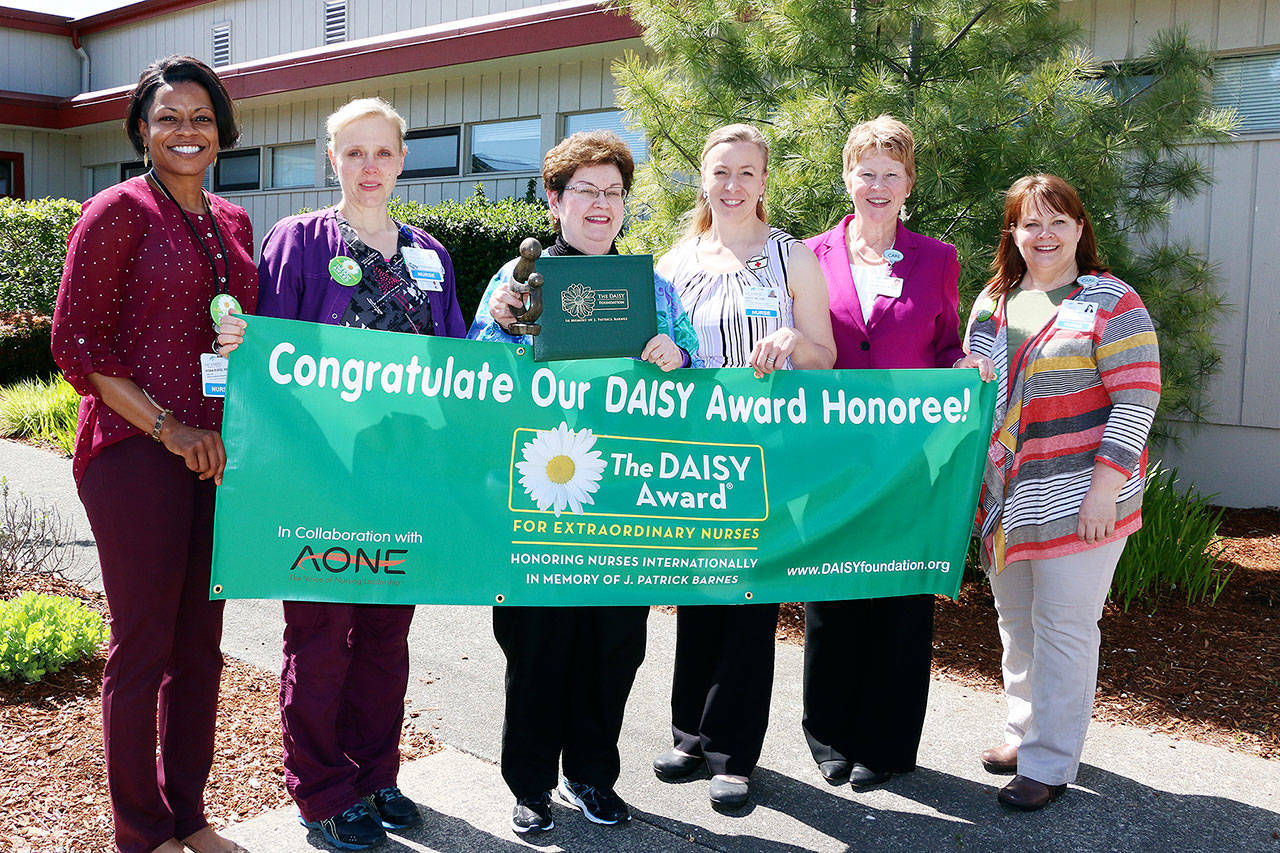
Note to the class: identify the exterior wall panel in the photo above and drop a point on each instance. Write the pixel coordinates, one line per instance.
(51, 161)
(39, 63)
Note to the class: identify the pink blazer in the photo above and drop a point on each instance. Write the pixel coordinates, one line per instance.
(921, 328)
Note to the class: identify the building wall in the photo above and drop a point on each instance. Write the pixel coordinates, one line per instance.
(543, 85)
(1234, 224)
(262, 29)
(38, 63)
(51, 161)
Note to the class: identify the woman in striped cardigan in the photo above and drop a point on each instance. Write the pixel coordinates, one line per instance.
(1078, 365)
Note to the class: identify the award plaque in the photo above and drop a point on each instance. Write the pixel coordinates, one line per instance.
(595, 306)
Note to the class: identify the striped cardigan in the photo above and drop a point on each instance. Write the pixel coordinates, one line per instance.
(1078, 398)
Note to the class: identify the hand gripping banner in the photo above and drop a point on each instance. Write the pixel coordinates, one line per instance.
(388, 468)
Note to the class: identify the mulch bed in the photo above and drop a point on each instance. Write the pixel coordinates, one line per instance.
(1207, 673)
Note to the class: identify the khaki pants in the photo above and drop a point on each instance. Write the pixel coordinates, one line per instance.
(1048, 620)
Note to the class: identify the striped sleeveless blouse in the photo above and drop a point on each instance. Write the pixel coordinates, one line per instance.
(714, 301)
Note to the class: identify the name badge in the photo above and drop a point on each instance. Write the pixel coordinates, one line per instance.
(213, 374)
(760, 301)
(425, 267)
(1076, 315)
(890, 286)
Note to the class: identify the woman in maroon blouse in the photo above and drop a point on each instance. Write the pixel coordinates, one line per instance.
(146, 263)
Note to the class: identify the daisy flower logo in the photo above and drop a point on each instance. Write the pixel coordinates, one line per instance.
(578, 301)
(560, 470)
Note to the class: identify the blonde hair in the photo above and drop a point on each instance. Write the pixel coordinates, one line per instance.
(883, 134)
(700, 217)
(358, 109)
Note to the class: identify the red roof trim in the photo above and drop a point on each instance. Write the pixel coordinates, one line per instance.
(575, 26)
(133, 13)
(36, 22)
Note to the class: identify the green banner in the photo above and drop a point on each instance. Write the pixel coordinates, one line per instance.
(388, 468)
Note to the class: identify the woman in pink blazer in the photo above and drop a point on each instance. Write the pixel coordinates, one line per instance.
(893, 304)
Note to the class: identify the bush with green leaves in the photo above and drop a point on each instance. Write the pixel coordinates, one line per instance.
(33, 246)
(992, 89)
(481, 235)
(24, 346)
(40, 634)
(1176, 552)
(40, 410)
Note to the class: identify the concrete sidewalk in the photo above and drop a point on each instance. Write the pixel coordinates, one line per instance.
(1136, 790)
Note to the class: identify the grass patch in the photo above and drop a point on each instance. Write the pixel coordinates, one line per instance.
(40, 410)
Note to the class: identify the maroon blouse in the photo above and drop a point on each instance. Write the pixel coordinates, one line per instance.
(134, 303)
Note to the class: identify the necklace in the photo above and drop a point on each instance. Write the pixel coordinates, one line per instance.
(219, 277)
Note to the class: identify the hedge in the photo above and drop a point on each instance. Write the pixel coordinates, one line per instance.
(33, 246)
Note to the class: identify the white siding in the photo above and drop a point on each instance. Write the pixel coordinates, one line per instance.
(51, 161)
(38, 63)
(264, 28)
(1234, 224)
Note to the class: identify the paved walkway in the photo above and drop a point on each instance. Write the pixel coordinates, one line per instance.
(1136, 790)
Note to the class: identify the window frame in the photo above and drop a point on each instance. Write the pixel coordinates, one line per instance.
(432, 133)
(471, 144)
(132, 169)
(269, 160)
(237, 154)
(17, 164)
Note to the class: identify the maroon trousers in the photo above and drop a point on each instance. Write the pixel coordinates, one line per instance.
(342, 686)
(153, 522)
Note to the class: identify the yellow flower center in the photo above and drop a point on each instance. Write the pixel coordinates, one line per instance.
(560, 469)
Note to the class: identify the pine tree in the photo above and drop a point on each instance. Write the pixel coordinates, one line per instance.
(992, 90)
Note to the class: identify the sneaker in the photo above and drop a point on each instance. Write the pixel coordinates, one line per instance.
(354, 829)
(393, 809)
(600, 805)
(533, 814)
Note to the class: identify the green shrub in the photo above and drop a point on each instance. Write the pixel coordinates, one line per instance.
(33, 247)
(1177, 549)
(481, 235)
(42, 410)
(24, 346)
(40, 634)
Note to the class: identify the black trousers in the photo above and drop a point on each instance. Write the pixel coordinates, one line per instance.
(866, 679)
(569, 671)
(722, 683)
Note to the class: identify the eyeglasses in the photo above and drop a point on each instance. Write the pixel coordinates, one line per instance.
(590, 192)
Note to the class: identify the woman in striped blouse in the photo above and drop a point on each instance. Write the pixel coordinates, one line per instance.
(1079, 370)
(757, 299)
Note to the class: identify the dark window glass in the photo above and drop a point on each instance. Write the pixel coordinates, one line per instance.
(132, 169)
(431, 153)
(236, 170)
(507, 146)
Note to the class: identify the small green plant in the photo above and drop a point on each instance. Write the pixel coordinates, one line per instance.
(1177, 549)
(40, 634)
(42, 410)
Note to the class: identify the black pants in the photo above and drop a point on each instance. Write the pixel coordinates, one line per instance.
(722, 683)
(569, 671)
(866, 679)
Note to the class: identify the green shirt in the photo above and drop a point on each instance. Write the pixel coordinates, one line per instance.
(1027, 311)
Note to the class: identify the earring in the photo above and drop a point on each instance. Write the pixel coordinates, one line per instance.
(146, 158)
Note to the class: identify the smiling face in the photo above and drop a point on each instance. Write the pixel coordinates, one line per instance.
(879, 186)
(589, 225)
(180, 130)
(1047, 240)
(733, 178)
(367, 156)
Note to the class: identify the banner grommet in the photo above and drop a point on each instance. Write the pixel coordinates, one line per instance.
(499, 598)
(217, 589)
(749, 595)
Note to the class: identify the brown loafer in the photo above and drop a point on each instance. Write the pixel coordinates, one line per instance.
(1027, 794)
(1000, 759)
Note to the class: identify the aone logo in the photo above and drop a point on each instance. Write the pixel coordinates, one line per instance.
(338, 560)
(578, 300)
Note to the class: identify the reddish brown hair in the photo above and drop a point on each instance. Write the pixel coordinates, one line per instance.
(1053, 194)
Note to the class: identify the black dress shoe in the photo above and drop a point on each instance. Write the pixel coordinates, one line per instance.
(836, 771)
(1027, 794)
(1000, 759)
(727, 794)
(673, 766)
(862, 777)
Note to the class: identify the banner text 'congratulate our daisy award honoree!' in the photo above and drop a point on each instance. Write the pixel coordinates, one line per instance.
(388, 468)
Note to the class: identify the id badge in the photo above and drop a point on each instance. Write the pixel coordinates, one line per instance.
(890, 286)
(759, 301)
(1076, 315)
(213, 374)
(425, 267)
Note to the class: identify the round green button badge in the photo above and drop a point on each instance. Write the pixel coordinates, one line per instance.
(222, 305)
(345, 271)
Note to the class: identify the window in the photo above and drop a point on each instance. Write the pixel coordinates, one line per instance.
(609, 120)
(132, 169)
(221, 44)
(1251, 84)
(236, 170)
(101, 177)
(507, 146)
(293, 165)
(432, 153)
(335, 21)
(11, 177)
